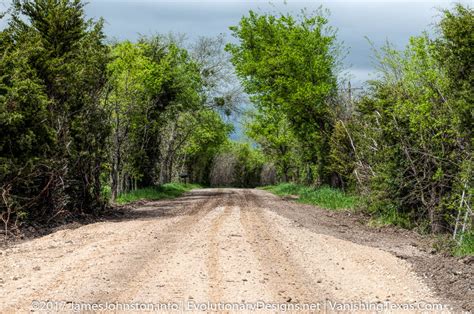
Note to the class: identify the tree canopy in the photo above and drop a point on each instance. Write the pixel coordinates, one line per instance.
(288, 65)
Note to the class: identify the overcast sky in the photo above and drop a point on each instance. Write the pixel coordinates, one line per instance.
(379, 20)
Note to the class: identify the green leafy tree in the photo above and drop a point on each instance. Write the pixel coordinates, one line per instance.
(272, 132)
(209, 134)
(180, 91)
(288, 64)
(158, 109)
(127, 103)
(342, 157)
(455, 47)
(53, 73)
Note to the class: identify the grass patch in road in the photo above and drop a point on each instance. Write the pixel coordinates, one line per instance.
(169, 190)
(325, 197)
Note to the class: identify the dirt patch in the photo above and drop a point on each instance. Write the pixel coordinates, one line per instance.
(28, 231)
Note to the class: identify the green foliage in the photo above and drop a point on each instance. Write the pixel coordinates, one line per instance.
(271, 131)
(82, 121)
(412, 135)
(287, 65)
(447, 245)
(165, 191)
(75, 112)
(158, 114)
(391, 216)
(249, 165)
(325, 197)
(341, 156)
(132, 77)
(416, 134)
(407, 148)
(466, 247)
(455, 49)
(209, 133)
(52, 74)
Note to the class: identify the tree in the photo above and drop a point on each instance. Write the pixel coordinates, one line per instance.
(209, 134)
(180, 90)
(288, 64)
(53, 73)
(342, 157)
(456, 55)
(272, 132)
(221, 88)
(127, 103)
(158, 108)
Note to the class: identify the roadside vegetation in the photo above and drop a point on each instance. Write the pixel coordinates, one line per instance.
(165, 191)
(404, 144)
(325, 196)
(85, 123)
(466, 246)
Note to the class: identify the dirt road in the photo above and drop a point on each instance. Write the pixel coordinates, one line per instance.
(212, 245)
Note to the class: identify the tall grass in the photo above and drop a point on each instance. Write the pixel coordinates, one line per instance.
(466, 247)
(169, 190)
(391, 216)
(323, 196)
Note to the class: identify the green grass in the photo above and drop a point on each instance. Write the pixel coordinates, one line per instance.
(391, 217)
(325, 197)
(466, 248)
(169, 190)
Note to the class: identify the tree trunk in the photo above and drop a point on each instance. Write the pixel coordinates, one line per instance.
(435, 215)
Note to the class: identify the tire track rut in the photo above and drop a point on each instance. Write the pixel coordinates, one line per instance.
(213, 245)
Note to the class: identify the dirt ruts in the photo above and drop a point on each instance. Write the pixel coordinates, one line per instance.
(219, 245)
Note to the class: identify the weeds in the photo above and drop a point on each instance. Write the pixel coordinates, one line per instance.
(466, 247)
(391, 217)
(324, 196)
(169, 190)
